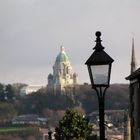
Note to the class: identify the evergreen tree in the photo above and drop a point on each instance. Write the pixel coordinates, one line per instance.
(73, 126)
(1, 92)
(9, 91)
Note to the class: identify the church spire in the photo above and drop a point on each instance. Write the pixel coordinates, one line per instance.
(133, 58)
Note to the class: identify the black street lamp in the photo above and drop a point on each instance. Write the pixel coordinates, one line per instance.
(99, 68)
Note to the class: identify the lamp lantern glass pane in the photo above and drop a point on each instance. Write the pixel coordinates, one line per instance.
(100, 74)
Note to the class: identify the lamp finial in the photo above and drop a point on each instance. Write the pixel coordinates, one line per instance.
(98, 46)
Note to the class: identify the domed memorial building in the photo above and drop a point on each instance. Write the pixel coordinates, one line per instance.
(63, 80)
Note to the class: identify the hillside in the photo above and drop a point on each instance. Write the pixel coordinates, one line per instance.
(117, 97)
(53, 106)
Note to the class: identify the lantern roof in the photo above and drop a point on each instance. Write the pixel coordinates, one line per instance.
(99, 56)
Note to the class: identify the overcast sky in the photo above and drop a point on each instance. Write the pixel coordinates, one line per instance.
(32, 31)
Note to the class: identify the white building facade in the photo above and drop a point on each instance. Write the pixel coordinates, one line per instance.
(29, 89)
(63, 77)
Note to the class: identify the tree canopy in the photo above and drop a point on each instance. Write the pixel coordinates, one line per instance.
(73, 126)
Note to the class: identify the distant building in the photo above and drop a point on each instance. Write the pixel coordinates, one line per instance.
(63, 79)
(111, 131)
(134, 110)
(26, 90)
(30, 119)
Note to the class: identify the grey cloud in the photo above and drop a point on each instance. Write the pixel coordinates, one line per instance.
(31, 33)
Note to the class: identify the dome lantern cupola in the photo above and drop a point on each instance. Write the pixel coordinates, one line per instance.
(62, 56)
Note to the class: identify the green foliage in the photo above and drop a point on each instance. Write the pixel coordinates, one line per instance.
(37, 102)
(6, 92)
(9, 90)
(1, 92)
(73, 126)
(7, 112)
(117, 97)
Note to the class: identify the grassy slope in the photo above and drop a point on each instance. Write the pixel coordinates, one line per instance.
(13, 129)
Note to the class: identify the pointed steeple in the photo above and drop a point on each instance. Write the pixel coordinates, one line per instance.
(133, 58)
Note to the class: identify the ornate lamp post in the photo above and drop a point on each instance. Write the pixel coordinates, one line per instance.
(99, 68)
